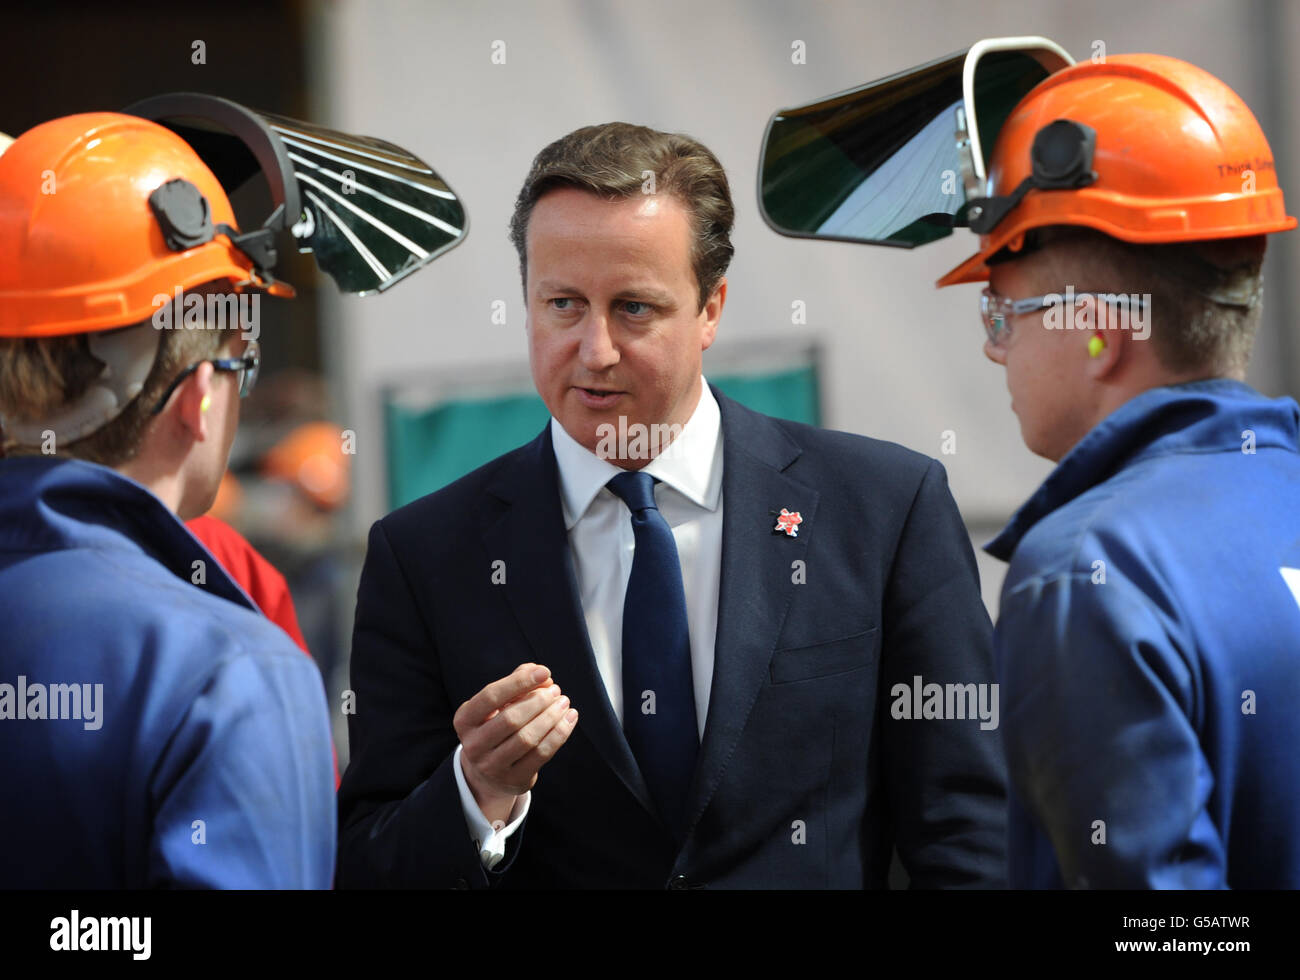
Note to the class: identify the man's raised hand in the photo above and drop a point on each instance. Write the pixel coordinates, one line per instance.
(509, 730)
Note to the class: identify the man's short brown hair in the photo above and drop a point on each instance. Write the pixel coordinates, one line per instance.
(615, 160)
(39, 376)
(1205, 296)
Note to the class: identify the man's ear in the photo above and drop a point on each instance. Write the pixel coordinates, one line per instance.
(712, 313)
(190, 403)
(1105, 348)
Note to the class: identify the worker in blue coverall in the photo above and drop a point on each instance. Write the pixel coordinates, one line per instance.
(155, 729)
(1148, 640)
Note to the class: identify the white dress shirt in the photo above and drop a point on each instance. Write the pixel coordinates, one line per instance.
(602, 543)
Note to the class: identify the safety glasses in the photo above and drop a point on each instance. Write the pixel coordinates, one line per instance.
(246, 367)
(995, 309)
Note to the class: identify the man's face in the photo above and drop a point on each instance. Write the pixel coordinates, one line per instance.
(209, 458)
(1046, 369)
(226, 401)
(613, 322)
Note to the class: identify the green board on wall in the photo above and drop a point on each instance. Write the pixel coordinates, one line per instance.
(431, 447)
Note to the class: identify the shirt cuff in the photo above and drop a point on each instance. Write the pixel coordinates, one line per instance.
(490, 841)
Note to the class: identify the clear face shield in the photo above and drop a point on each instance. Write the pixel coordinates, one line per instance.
(898, 161)
(369, 212)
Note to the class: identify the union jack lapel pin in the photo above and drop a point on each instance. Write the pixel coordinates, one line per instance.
(788, 521)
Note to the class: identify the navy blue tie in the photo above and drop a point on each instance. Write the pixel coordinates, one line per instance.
(658, 691)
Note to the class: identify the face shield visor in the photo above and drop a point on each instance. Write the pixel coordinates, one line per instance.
(369, 212)
(898, 161)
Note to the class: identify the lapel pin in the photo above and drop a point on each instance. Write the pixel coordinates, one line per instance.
(788, 521)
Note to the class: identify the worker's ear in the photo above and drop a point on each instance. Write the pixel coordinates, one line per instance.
(191, 403)
(1105, 346)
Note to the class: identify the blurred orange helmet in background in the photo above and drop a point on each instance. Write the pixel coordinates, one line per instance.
(99, 214)
(311, 457)
(1141, 147)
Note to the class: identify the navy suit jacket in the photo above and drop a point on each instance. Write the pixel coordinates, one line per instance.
(804, 779)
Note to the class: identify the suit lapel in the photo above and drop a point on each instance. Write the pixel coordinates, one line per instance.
(757, 578)
(542, 590)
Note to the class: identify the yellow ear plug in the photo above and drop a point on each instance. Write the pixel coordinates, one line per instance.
(206, 403)
(1095, 346)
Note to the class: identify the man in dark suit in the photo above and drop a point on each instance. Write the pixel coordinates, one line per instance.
(747, 612)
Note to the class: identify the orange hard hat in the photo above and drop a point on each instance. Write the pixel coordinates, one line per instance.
(100, 213)
(1141, 147)
(312, 458)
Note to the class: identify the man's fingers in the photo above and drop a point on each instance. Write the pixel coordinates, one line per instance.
(529, 736)
(499, 693)
(512, 767)
(510, 728)
(483, 740)
(548, 746)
